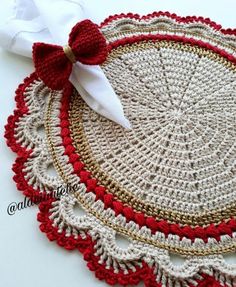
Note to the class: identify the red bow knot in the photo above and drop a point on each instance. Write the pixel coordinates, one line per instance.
(53, 63)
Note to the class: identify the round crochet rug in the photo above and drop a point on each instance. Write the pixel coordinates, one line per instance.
(167, 186)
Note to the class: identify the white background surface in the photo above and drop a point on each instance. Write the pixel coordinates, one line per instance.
(27, 258)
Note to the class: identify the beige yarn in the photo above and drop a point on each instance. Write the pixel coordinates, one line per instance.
(180, 153)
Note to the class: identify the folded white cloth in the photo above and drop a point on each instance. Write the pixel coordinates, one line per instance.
(51, 22)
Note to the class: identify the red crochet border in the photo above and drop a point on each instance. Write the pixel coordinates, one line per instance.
(23, 154)
(86, 247)
(179, 19)
(191, 41)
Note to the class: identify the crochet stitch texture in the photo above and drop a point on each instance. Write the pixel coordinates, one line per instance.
(167, 185)
(53, 63)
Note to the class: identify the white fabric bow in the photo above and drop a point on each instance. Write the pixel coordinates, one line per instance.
(51, 22)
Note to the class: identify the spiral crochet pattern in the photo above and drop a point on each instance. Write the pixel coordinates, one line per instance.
(167, 186)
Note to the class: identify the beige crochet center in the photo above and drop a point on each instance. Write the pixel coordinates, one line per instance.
(181, 103)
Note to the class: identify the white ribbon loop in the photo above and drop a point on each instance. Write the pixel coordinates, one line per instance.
(51, 22)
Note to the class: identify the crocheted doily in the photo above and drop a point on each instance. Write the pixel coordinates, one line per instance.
(167, 186)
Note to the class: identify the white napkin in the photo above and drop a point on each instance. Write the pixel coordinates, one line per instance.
(51, 22)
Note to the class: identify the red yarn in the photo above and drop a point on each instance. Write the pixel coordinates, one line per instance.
(160, 37)
(108, 200)
(140, 218)
(128, 213)
(91, 184)
(208, 281)
(118, 207)
(52, 64)
(179, 19)
(22, 152)
(100, 192)
(86, 247)
(21, 110)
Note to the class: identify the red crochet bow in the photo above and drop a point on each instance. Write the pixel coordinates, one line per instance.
(53, 63)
